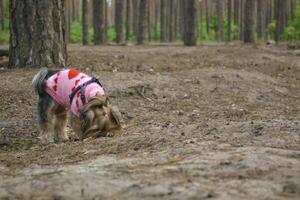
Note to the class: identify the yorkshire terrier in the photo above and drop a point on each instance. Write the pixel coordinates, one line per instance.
(71, 91)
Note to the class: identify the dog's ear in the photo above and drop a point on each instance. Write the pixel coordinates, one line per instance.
(115, 116)
(86, 120)
(98, 101)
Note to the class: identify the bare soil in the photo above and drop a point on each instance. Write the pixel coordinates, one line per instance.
(214, 121)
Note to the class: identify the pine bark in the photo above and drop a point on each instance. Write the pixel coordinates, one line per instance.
(119, 15)
(156, 19)
(229, 14)
(190, 23)
(37, 33)
(249, 21)
(99, 22)
(163, 20)
(67, 21)
(170, 24)
(260, 28)
(128, 18)
(1, 16)
(142, 30)
(149, 22)
(208, 15)
(85, 23)
(136, 13)
(281, 19)
(220, 20)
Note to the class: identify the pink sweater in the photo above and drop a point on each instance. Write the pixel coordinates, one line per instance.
(60, 86)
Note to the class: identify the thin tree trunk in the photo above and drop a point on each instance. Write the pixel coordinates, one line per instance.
(141, 37)
(85, 23)
(37, 34)
(127, 24)
(149, 21)
(208, 15)
(229, 14)
(242, 10)
(190, 21)
(67, 21)
(237, 17)
(99, 21)
(281, 19)
(163, 20)
(156, 19)
(1, 16)
(183, 19)
(220, 20)
(260, 28)
(249, 21)
(106, 24)
(135, 21)
(171, 21)
(119, 21)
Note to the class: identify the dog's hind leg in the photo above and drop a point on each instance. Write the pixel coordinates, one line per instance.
(60, 121)
(45, 118)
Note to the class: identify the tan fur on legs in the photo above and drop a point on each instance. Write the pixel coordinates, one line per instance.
(76, 125)
(60, 120)
(46, 125)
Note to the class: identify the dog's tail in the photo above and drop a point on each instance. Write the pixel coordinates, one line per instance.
(38, 80)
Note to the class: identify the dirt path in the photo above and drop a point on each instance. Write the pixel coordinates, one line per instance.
(220, 122)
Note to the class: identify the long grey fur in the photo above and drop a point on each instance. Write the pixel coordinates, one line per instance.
(38, 80)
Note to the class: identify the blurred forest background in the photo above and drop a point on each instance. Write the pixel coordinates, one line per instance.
(190, 21)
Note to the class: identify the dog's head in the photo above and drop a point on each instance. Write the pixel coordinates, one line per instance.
(98, 118)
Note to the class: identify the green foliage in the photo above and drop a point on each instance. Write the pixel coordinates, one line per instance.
(234, 30)
(4, 34)
(76, 32)
(271, 29)
(155, 36)
(292, 32)
(111, 33)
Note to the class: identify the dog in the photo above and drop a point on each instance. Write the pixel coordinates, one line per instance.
(83, 97)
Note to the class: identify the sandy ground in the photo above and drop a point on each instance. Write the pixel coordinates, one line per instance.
(208, 122)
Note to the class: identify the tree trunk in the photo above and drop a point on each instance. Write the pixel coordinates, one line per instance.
(127, 23)
(241, 27)
(141, 37)
(99, 21)
(85, 23)
(135, 20)
(149, 22)
(237, 17)
(208, 15)
(1, 16)
(37, 33)
(183, 19)
(163, 20)
(67, 21)
(106, 24)
(229, 14)
(260, 28)
(156, 19)
(220, 20)
(249, 21)
(281, 19)
(190, 23)
(170, 21)
(119, 21)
